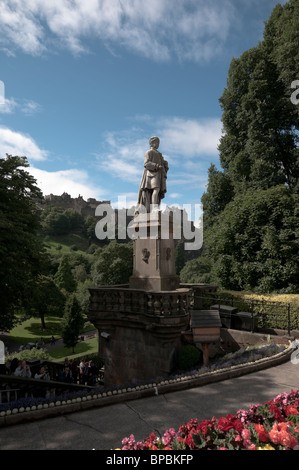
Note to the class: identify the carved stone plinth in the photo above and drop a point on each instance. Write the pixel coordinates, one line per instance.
(139, 331)
(154, 257)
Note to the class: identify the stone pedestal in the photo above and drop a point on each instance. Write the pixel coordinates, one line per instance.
(154, 255)
(139, 331)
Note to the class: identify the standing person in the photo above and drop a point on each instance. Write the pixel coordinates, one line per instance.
(23, 370)
(52, 341)
(82, 367)
(66, 376)
(42, 374)
(75, 369)
(92, 373)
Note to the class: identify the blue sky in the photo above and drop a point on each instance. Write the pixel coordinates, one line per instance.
(88, 82)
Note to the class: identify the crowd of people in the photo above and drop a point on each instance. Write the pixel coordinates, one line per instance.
(83, 372)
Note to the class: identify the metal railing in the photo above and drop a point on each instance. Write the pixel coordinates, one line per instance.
(268, 314)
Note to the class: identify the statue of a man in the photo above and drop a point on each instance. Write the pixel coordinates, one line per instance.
(153, 183)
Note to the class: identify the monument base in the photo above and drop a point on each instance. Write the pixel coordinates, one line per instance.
(154, 253)
(155, 283)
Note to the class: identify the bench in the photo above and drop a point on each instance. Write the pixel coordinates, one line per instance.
(245, 321)
(226, 312)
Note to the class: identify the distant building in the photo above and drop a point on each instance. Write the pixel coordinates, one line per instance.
(65, 201)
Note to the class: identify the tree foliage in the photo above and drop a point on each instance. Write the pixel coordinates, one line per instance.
(72, 322)
(251, 204)
(22, 255)
(64, 277)
(197, 271)
(113, 264)
(255, 241)
(47, 299)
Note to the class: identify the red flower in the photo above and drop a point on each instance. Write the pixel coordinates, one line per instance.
(277, 413)
(291, 410)
(288, 440)
(224, 424)
(280, 434)
(262, 433)
(238, 426)
(189, 441)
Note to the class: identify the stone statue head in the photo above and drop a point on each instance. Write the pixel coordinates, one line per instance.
(154, 142)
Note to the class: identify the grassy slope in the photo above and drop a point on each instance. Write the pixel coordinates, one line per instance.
(83, 348)
(30, 330)
(63, 244)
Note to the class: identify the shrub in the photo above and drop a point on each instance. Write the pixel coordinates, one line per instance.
(30, 354)
(189, 356)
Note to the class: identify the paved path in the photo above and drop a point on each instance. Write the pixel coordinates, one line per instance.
(104, 428)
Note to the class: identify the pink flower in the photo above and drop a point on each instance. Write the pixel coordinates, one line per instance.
(246, 435)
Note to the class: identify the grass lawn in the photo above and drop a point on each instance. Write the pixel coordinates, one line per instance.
(65, 242)
(83, 348)
(31, 331)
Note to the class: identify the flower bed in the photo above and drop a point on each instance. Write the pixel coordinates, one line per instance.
(231, 365)
(271, 426)
(242, 356)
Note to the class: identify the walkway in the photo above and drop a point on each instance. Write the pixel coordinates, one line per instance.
(104, 428)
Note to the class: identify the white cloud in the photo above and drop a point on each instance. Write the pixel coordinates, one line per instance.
(158, 29)
(124, 152)
(72, 181)
(181, 141)
(190, 137)
(27, 107)
(16, 143)
(189, 146)
(30, 107)
(125, 201)
(8, 106)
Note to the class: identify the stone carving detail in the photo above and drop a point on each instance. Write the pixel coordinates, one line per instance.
(145, 255)
(109, 299)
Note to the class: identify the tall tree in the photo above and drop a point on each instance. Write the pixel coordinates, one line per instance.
(255, 242)
(21, 252)
(259, 156)
(72, 322)
(259, 145)
(113, 264)
(47, 299)
(64, 277)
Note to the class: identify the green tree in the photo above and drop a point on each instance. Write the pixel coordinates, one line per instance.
(196, 271)
(113, 264)
(55, 222)
(83, 295)
(179, 255)
(255, 242)
(75, 220)
(259, 145)
(47, 299)
(259, 157)
(64, 277)
(219, 193)
(72, 322)
(22, 254)
(89, 228)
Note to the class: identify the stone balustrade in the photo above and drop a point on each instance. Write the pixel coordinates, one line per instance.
(122, 299)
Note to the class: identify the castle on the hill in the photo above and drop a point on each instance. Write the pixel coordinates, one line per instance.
(65, 201)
